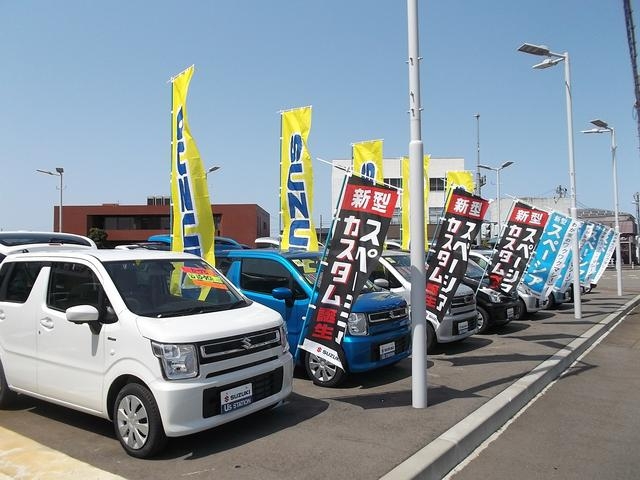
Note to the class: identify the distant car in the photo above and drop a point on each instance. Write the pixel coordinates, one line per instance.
(495, 308)
(220, 243)
(147, 245)
(528, 303)
(22, 242)
(267, 242)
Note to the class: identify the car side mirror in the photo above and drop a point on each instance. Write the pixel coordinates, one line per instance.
(283, 293)
(85, 314)
(382, 283)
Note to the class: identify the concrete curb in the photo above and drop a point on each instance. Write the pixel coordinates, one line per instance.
(440, 456)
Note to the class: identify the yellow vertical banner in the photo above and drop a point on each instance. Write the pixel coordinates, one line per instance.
(367, 160)
(461, 178)
(296, 182)
(406, 221)
(192, 220)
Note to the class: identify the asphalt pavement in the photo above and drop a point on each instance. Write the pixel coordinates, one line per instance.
(365, 429)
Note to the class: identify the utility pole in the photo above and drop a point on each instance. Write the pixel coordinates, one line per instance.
(636, 200)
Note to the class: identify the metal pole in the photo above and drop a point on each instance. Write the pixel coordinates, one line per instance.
(498, 200)
(577, 294)
(478, 177)
(60, 212)
(636, 200)
(615, 207)
(416, 221)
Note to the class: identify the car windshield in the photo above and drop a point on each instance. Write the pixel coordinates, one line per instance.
(308, 267)
(402, 263)
(170, 288)
(474, 271)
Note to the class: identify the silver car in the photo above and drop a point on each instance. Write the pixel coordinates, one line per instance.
(393, 272)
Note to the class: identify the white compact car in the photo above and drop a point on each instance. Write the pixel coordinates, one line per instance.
(158, 342)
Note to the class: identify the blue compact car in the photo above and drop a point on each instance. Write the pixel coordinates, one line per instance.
(378, 329)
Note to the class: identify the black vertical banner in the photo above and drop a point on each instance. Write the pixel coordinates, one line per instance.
(516, 246)
(448, 261)
(356, 245)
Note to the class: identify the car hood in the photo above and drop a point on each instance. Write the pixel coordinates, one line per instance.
(207, 326)
(377, 302)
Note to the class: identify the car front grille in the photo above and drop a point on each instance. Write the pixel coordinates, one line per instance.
(238, 345)
(388, 315)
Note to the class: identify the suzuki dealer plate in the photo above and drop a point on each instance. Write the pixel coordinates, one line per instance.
(235, 398)
(463, 327)
(387, 350)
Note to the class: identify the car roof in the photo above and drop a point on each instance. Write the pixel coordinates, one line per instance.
(268, 252)
(104, 255)
(20, 238)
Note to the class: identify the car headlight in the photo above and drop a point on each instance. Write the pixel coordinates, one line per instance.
(179, 361)
(494, 296)
(357, 323)
(283, 338)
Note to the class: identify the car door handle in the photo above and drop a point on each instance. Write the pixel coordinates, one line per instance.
(46, 322)
(2, 317)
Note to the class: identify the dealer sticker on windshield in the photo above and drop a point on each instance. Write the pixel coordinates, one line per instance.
(235, 398)
(387, 350)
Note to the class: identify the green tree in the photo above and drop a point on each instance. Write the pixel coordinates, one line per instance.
(99, 236)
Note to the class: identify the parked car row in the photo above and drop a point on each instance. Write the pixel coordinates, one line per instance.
(166, 345)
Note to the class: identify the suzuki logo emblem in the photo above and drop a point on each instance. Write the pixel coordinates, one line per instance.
(246, 343)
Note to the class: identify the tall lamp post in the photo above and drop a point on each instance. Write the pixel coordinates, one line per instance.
(603, 127)
(551, 60)
(58, 173)
(497, 170)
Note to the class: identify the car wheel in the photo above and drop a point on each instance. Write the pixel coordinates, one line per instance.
(431, 337)
(522, 309)
(7, 397)
(137, 421)
(483, 320)
(321, 372)
(551, 302)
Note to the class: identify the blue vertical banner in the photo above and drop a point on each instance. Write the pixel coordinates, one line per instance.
(588, 251)
(566, 275)
(551, 255)
(609, 246)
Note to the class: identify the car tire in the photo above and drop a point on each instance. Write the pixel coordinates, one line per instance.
(137, 421)
(7, 397)
(321, 372)
(522, 310)
(431, 337)
(550, 304)
(483, 320)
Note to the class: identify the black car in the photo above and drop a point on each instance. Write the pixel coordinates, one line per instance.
(495, 308)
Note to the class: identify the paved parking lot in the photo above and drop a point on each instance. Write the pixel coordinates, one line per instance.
(362, 430)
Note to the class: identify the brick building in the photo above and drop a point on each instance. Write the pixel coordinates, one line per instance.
(135, 223)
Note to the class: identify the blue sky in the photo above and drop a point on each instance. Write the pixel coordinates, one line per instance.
(85, 87)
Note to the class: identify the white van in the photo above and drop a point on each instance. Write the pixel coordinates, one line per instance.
(27, 241)
(158, 342)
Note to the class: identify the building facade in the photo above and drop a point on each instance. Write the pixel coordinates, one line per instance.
(134, 223)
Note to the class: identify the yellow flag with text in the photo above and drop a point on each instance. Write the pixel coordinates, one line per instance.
(461, 178)
(406, 222)
(192, 221)
(296, 182)
(367, 160)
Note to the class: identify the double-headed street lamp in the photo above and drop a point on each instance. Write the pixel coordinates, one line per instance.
(603, 127)
(58, 173)
(551, 60)
(497, 170)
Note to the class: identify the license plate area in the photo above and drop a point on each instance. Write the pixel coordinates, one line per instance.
(235, 398)
(463, 327)
(387, 350)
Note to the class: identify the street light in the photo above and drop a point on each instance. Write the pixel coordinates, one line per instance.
(551, 60)
(603, 127)
(212, 169)
(497, 170)
(58, 173)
